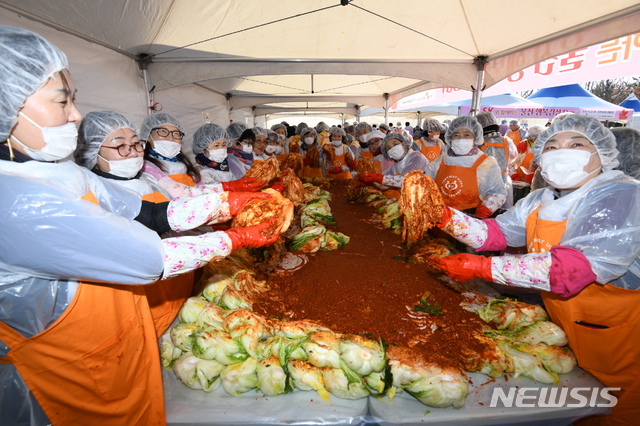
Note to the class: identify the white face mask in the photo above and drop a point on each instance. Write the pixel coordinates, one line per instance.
(60, 142)
(564, 168)
(279, 150)
(280, 137)
(167, 148)
(462, 146)
(336, 143)
(363, 138)
(217, 155)
(396, 153)
(127, 168)
(247, 148)
(271, 149)
(309, 141)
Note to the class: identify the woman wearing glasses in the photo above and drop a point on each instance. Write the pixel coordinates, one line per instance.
(172, 169)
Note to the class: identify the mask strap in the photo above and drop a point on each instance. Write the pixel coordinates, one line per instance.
(30, 120)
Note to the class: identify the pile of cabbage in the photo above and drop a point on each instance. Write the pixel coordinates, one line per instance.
(525, 343)
(387, 211)
(220, 341)
(314, 216)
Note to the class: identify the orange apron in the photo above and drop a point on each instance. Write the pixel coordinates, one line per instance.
(610, 354)
(281, 157)
(459, 185)
(514, 136)
(366, 154)
(166, 297)
(504, 145)
(184, 179)
(431, 152)
(526, 167)
(339, 162)
(96, 364)
(311, 172)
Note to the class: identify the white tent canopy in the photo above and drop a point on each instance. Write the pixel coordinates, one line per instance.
(240, 58)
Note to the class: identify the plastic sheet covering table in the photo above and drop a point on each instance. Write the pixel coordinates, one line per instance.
(186, 406)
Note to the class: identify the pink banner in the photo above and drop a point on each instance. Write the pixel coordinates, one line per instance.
(542, 112)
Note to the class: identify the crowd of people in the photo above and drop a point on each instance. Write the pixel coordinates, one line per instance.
(100, 252)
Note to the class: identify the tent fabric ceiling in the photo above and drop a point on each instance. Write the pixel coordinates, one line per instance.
(267, 52)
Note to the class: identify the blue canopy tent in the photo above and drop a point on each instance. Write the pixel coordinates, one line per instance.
(631, 102)
(571, 95)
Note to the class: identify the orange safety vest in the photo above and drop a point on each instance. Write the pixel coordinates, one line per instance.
(96, 364)
(514, 136)
(459, 185)
(166, 297)
(504, 145)
(610, 354)
(184, 179)
(340, 161)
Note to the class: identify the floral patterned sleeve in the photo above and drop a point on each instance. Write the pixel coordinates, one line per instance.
(188, 213)
(184, 254)
(528, 270)
(494, 201)
(466, 229)
(393, 180)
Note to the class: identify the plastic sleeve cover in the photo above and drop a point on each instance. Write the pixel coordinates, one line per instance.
(188, 213)
(512, 222)
(466, 229)
(184, 254)
(49, 232)
(393, 180)
(491, 187)
(528, 270)
(154, 216)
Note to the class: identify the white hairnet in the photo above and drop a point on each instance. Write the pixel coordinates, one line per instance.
(94, 129)
(305, 131)
(534, 131)
(363, 125)
(592, 129)
(487, 118)
(278, 126)
(156, 120)
(28, 61)
(206, 134)
(628, 144)
(350, 128)
(322, 127)
(465, 122)
(337, 131)
(446, 122)
(383, 126)
(514, 121)
(234, 130)
(349, 138)
(431, 125)
(259, 131)
(383, 147)
(272, 135)
(300, 128)
(373, 135)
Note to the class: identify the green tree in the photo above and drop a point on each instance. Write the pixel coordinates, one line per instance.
(613, 90)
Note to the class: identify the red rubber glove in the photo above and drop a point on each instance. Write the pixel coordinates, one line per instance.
(335, 170)
(278, 186)
(249, 184)
(352, 164)
(369, 178)
(237, 200)
(483, 212)
(464, 267)
(306, 161)
(516, 177)
(251, 236)
(447, 214)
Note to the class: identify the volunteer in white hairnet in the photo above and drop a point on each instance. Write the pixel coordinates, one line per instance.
(275, 146)
(69, 235)
(359, 134)
(468, 178)
(430, 144)
(259, 144)
(583, 239)
(339, 157)
(628, 142)
(499, 147)
(323, 133)
(210, 144)
(108, 145)
(312, 154)
(281, 131)
(516, 133)
(362, 149)
(397, 148)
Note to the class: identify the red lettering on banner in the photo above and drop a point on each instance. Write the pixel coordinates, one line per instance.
(549, 66)
(520, 74)
(573, 60)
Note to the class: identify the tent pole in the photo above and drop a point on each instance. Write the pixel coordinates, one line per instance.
(418, 120)
(386, 108)
(144, 59)
(481, 63)
(358, 113)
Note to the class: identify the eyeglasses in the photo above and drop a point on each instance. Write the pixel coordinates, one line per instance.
(125, 149)
(163, 133)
